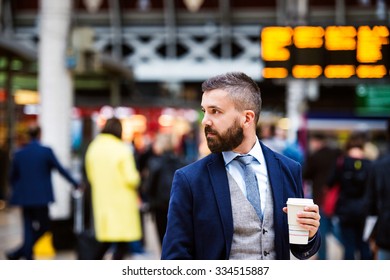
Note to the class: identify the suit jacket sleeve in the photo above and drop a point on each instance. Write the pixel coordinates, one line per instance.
(304, 251)
(179, 236)
(60, 169)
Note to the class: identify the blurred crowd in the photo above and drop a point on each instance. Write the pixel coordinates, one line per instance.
(145, 176)
(352, 187)
(120, 184)
(351, 184)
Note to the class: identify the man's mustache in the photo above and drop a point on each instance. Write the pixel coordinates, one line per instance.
(208, 129)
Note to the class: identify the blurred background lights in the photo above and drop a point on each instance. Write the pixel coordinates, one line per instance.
(92, 5)
(193, 5)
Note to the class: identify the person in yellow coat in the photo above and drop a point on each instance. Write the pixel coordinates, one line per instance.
(112, 174)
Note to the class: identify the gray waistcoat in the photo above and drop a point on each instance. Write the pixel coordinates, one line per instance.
(252, 239)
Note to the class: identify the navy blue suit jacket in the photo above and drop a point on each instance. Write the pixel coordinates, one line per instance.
(30, 175)
(200, 221)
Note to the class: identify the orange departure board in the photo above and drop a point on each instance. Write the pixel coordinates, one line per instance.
(334, 52)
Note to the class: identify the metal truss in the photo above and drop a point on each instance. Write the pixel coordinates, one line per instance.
(199, 52)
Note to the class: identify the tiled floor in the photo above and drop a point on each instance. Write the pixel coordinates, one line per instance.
(10, 230)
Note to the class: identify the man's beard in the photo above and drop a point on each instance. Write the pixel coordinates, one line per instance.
(227, 141)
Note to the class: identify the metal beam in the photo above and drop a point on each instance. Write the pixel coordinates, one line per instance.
(14, 48)
(170, 25)
(224, 6)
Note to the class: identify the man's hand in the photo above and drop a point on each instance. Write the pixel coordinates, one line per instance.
(309, 218)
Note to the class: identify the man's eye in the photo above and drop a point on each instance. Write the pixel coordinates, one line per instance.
(214, 111)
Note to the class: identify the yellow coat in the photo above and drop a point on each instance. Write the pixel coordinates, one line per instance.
(114, 179)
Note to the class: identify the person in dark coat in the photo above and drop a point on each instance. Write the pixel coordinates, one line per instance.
(351, 206)
(379, 201)
(161, 167)
(3, 174)
(32, 190)
(317, 169)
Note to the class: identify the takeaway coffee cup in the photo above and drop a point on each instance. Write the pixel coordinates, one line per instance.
(297, 234)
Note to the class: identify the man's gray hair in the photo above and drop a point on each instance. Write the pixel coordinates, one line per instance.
(243, 90)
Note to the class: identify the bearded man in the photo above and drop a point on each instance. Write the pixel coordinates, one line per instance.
(212, 215)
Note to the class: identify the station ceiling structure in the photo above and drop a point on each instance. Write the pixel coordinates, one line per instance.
(167, 46)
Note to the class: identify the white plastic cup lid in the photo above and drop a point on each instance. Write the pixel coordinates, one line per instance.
(300, 201)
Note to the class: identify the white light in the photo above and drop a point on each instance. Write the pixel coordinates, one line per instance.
(191, 115)
(143, 5)
(123, 112)
(166, 120)
(193, 5)
(92, 5)
(31, 109)
(107, 112)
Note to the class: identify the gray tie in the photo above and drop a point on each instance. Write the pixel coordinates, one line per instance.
(252, 190)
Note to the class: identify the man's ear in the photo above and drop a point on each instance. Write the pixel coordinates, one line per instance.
(249, 116)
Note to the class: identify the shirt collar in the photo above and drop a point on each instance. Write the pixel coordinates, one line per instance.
(256, 152)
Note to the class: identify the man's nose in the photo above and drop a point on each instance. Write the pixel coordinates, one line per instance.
(206, 120)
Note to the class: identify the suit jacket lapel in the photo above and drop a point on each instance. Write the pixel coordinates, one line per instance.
(220, 185)
(275, 176)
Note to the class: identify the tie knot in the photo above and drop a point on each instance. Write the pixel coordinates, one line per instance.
(247, 159)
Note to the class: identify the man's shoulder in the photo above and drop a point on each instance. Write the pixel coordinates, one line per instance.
(202, 162)
(43, 148)
(33, 147)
